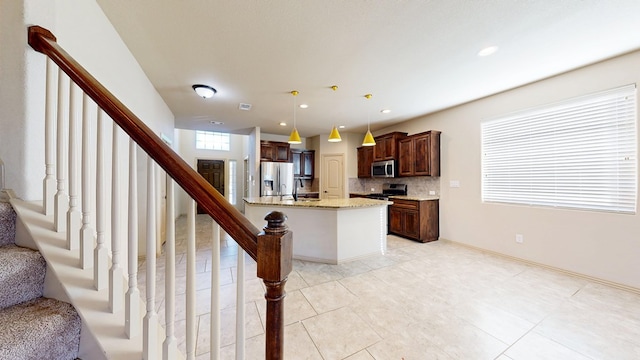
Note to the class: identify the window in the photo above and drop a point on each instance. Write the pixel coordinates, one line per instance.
(578, 154)
(208, 140)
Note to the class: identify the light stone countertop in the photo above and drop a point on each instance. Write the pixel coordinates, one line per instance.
(316, 203)
(403, 197)
(414, 197)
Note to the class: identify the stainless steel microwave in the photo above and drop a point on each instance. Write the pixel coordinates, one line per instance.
(385, 168)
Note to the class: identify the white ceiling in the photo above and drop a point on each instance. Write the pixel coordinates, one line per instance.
(415, 57)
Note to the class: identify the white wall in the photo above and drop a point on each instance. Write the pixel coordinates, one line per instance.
(22, 96)
(601, 245)
(188, 151)
(283, 138)
(86, 34)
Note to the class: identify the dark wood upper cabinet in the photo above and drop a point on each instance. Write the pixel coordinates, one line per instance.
(274, 151)
(303, 163)
(419, 154)
(386, 146)
(365, 158)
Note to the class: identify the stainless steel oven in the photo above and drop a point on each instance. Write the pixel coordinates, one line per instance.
(387, 191)
(384, 169)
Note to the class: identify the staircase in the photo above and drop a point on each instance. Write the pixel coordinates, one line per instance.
(97, 270)
(31, 326)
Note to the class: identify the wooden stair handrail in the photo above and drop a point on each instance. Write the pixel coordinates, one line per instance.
(209, 199)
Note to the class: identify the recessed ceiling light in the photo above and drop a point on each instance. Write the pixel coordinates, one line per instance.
(488, 51)
(341, 127)
(303, 106)
(385, 111)
(216, 122)
(283, 123)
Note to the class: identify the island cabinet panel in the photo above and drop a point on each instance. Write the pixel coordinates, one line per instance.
(386, 146)
(303, 163)
(419, 154)
(365, 158)
(274, 151)
(415, 219)
(329, 231)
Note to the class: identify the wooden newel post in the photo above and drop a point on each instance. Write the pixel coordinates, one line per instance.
(275, 251)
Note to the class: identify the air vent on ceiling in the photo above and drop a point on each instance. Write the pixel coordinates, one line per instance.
(245, 107)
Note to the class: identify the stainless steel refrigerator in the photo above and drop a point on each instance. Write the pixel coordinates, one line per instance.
(276, 179)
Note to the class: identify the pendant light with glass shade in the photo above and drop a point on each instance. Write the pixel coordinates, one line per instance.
(334, 136)
(368, 138)
(294, 138)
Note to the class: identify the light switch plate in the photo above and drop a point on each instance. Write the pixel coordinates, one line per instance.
(454, 183)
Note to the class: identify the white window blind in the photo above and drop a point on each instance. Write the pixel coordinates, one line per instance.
(579, 154)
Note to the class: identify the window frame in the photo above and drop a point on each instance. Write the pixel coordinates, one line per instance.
(212, 140)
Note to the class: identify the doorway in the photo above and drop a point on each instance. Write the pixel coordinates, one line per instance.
(332, 178)
(213, 172)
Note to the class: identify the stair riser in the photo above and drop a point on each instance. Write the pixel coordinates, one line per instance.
(31, 326)
(22, 273)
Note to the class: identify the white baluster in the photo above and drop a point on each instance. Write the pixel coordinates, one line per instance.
(240, 308)
(191, 280)
(132, 305)
(215, 293)
(170, 343)
(116, 280)
(49, 182)
(100, 265)
(61, 200)
(150, 330)
(73, 215)
(87, 233)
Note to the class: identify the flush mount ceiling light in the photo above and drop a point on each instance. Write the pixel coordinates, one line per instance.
(294, 138)
(385, 111)
(488, 51)
(368, 137)
(204, 91)
(334, 136)
(303, 106)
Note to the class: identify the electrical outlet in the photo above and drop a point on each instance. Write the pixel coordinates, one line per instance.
(454, 183)
(519, 238)
(431, 192)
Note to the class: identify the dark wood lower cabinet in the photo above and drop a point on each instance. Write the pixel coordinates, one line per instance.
(415, 219)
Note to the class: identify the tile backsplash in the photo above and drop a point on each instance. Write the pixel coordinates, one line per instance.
(416, 185)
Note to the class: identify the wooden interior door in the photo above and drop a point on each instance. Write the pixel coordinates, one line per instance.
(332, 180)
(213, 172)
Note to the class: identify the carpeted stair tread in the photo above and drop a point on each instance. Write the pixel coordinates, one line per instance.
(40, 329)
(22, 274)
(7, 224)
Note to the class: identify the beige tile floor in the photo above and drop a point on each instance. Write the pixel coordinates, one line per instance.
(420, 301)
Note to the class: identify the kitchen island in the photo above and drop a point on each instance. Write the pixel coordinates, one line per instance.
(331, 231)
